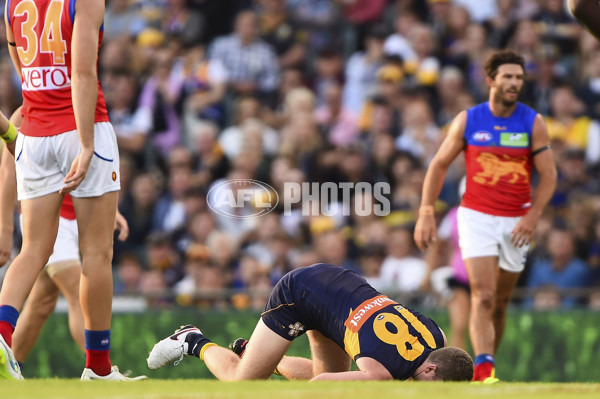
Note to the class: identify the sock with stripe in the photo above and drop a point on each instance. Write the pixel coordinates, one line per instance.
(197, 343)
(484, 367)
(8, 321)
(97, 348)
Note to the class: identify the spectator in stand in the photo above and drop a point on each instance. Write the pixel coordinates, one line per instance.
(205, 87)
(247, 109)
(251, 63)
(562, 269)
(202, 282)
(420, 135)
(398, 44)
(370, 260)
(338, 124)
(329, 68)
(138, 209)
(454, 41)
(332, 248)
(169, 213)
(428, 66)
(284, 36)
(163, 257)
(568, 129)
(589, 89)
(450, 85)
(159, 97)
(122, 18)
(180, 21)
(211, 162)
(302, 143)
(129, 274)
(402, 270)
(132, 125)
(557, 26)
(320, 19)
(362, 67)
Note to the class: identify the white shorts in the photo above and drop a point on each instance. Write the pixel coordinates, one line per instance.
(481, 234)
(43, 162)
(66, 246)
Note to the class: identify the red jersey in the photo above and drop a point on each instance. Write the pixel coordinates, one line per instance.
(498, 161)
(42, 30)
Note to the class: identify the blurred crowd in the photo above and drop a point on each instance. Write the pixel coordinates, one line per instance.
(202, 91)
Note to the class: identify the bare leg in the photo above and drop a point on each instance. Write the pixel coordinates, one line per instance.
(40, 224)
(459, 310)
(41, 304)
(96, 221)
(264, 351)
(483, 272)
(67, 280)
(506, 285)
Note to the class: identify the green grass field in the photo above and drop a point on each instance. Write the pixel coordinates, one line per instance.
(175, 389)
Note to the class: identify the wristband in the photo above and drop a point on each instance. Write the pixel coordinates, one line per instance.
(11, 134)
(426, 210)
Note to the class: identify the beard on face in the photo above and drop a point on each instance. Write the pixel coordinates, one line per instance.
(501, 96)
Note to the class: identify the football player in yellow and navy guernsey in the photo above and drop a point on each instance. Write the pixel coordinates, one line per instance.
(345, 319)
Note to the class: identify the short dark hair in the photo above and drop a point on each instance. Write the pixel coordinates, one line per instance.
(453, 364)
(502, 57)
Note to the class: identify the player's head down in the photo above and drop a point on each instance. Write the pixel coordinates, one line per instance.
(447, 364)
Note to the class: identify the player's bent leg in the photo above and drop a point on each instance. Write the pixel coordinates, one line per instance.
(66, 276)
(290, 367)
(41, 303)
(264, 351)
(327, 356)
(506, 285)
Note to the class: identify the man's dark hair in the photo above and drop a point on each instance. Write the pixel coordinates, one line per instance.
(453, 364)
(502, 57)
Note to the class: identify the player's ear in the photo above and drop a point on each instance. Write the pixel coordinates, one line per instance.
(431, 369)
(489, 81)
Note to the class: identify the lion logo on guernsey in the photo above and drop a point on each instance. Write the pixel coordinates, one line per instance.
(495, 168)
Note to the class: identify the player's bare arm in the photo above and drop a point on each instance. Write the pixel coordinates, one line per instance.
(84, 84)
(370, 370)
(8, 197)
(588, 13)
(543, 159)
(452, 145)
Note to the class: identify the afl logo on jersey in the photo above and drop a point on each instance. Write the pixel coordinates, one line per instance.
(482, 136)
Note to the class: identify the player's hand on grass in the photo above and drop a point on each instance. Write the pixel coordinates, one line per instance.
(523, 231)
(425, 231)
(79, 169)
(122, 226)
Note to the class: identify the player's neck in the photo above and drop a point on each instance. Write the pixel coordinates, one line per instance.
(499, 109)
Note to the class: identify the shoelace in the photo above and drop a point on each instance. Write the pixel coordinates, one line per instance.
(180, 357)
